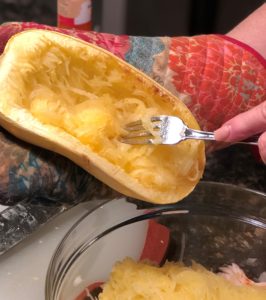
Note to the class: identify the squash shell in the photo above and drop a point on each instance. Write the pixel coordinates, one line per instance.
(22, 124)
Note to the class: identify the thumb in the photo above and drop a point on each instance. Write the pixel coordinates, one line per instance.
(243, 125)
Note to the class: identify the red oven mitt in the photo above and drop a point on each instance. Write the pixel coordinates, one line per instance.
(216, 76)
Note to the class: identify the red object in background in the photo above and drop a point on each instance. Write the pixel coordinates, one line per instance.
(154, 250)
(156, 244)
(74, 14)
(91, 292)
(68, 24)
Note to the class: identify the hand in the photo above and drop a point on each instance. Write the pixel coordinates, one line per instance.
(245, 125)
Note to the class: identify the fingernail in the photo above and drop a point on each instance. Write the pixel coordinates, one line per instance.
(223, 133)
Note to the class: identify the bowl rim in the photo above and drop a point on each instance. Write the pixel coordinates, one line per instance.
(160, 206)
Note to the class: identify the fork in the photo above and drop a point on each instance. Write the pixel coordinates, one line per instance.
(167, 130)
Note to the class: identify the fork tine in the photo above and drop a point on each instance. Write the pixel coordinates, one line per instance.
(157, 118)
(157, 127)
(133, 124)
(135, 141)
(137, 134)
(134, 127)
(138, 122)
(137, 125)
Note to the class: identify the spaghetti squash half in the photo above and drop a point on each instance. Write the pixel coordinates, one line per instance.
(74, 98)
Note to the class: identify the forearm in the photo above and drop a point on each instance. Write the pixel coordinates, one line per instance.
(251, 31)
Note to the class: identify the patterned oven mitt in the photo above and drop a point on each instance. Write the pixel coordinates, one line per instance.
(216, 76)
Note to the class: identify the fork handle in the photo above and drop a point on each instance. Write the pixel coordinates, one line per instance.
(209, 136)
(199, 134)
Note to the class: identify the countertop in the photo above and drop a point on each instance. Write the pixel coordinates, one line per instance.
(23, 268)
(237, 164)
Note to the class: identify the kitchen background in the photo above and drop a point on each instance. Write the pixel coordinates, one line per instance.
(22, 276)
(149, 17)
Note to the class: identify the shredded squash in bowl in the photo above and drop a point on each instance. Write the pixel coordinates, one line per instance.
(74, 98)
(131, 280)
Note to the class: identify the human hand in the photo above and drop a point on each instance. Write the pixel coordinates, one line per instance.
(245, 125)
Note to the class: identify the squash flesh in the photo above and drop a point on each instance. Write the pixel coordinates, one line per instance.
(142, 280)
(91, 97)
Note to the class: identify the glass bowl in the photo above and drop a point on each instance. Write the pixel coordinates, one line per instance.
(216, 225)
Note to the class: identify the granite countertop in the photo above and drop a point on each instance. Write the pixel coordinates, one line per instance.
(236, 165)
(41, 11)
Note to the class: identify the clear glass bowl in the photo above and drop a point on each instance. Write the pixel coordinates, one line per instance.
(217, 224)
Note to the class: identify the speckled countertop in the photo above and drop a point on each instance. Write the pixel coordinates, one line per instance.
(236, 165)
(41, 11)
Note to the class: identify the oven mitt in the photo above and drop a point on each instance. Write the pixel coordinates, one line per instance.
(216, 76)
(29, 173)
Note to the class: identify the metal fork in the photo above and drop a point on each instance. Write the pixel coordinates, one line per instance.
(167, 130)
